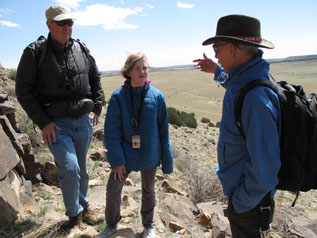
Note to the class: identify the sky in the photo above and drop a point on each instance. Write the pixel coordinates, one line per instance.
(168, 32)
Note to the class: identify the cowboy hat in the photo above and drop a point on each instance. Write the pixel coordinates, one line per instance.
(240, 29)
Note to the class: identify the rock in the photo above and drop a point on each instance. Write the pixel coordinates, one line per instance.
(99, 134)
(7, 107)
(95, 182)
(213, 212)
(98, 154)
(12, 118)
(33, 168)
(49, 174)
(3, 95)
(203, 220)
(124, 233)
(172, 221)
(25, 142)
(173, 189)
(15, 197)
(129, 182)
(8, 158)
(178, 205)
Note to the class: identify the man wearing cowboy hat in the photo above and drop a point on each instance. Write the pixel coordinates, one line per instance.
(58, 85)
(247, 167)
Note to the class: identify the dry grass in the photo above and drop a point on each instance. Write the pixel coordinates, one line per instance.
(300, 72)
(185, 90)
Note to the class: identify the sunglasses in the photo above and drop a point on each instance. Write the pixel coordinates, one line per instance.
(64, 22)
(216, 46)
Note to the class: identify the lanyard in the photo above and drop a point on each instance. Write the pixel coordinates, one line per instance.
(135, 121)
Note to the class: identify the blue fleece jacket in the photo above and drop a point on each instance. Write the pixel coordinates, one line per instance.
(248, 168)
(153, 130)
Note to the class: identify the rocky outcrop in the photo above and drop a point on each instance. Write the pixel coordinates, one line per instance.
(16, 161)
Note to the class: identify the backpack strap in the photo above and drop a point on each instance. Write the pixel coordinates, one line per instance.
(40, 51)
(266, 210)
(84, 49)
(239, 104)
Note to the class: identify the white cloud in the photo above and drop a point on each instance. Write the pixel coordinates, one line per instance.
(149, 6)
(9, 24)
(184, 5)
(6, 10)
(70, 3)
(110, 17)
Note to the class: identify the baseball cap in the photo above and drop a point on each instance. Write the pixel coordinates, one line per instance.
(58, 13)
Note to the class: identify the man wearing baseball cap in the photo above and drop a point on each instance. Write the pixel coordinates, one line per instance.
(247, 167)
(58, 85)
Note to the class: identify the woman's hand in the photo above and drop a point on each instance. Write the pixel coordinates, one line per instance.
(118, 172)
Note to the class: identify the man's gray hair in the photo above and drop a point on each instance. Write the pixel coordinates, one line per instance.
(248, 49)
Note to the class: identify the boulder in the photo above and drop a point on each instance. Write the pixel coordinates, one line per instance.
(15, 197)
(8, 158)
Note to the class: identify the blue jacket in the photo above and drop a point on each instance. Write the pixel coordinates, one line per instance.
(153, 129)
(248, 168)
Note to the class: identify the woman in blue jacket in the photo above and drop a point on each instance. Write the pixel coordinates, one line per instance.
(137, 139)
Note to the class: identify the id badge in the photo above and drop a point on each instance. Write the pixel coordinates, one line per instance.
(136, 142)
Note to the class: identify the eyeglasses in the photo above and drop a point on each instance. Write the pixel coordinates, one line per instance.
(64, 22)
(216, 46)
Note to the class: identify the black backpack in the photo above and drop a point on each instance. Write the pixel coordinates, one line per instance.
(41, 47)
(40, 54)
(298, 142)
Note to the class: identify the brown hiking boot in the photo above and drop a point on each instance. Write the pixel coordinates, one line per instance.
(71, 223)
(89, 216)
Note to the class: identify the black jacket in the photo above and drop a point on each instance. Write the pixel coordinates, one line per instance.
(66, 83)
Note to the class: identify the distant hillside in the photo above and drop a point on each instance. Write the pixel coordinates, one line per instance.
(294, 58)
(301, 58)
(152, 69)
(190, 66)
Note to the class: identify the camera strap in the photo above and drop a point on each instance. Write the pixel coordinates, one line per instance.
(136, 120)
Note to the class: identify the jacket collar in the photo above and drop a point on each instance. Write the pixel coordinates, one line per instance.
(56, 46)
(127, 83)
(250, 69)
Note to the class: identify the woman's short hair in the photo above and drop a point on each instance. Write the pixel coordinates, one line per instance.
(130, 62)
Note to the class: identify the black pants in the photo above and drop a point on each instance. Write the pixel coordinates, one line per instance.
(113, 198)
(249, 224)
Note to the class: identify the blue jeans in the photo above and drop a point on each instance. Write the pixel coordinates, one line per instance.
(70, 151)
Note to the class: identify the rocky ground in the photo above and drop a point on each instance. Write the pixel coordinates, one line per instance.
(176, 213)
(189, 201)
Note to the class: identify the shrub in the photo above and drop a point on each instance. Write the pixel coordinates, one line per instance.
(104, 102)
(188, 119)
(174, 116)
(11, 91)
(205, 120)
(27, 127)
(12, 74)
(218, 124)
(178, 118)
(200, 180)
(211, 124)
(204, 185)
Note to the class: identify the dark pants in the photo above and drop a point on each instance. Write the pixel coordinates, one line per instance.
(250, 224)
(113, 200)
